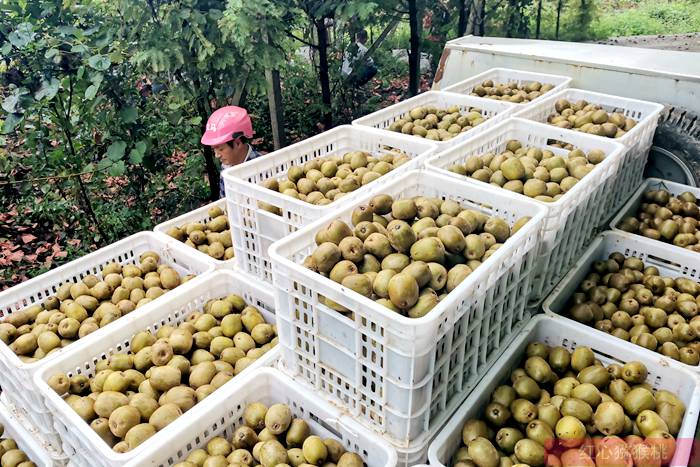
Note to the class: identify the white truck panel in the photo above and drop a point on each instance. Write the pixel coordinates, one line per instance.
(667, 77)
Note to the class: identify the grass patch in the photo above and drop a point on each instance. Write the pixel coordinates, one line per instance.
(645, 17)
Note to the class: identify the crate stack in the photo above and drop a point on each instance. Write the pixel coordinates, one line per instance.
(394, 389)
(16, 374)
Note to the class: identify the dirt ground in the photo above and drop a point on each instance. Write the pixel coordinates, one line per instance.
(684, 42)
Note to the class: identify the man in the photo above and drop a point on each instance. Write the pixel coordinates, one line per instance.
(355, 67)
(228, 131)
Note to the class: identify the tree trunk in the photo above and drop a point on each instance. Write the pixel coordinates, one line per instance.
(322, 32)
(414, 52)
(274, 100)
(464, 12)
(539, 19)
(387, 30)
(560, 4)
(511, 18)
(482, 19)
(212, 172)
(478, 18)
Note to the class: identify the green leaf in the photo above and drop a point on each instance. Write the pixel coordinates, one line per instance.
(67, 30)
(6, 48)
(116, 57)
(117, 169)
(129, 114)
(115, 151)
(21, 36)
(47, 90)
(91, 92)
(99, 62)
(136, 154)
(79, 49)
(9, 104)
(11, 122)
(196, 120)
(81, 72)
(51, 53)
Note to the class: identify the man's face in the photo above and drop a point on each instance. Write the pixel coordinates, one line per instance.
(225, 153)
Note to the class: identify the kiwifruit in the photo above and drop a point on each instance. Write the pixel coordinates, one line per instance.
(483, 453)
(473, 429)
(122, 419)
(278, 418)
(570, 431)
(314, 450)
(164, 415)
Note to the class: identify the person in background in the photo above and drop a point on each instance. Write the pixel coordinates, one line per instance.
(356, 68)
(228, 131)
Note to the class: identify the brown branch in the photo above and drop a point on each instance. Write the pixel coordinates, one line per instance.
(55, 177)
(314, 46)
(70, 96)
(83, 189)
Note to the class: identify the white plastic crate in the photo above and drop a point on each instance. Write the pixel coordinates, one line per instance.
(222, 412)
(496, 111)
(671, 262)
(80, 442)
(638, 140)
(557, 332)
(508, 75)
(16, 376)
(254, 229)
(396, 374)
(37, 423)
(415, 455)
(199, 215)
(17, 430)
(570, 221)
(632, 206)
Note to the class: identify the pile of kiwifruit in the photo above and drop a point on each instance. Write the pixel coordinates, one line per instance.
(534, 172)
(668, 218)
(563, 408)
(78, 309)
(590, 118)
(326, 179)
(438, 124)
(11, 455)
(407, 253)
(518, 93)
(622, 297)
(135, 394)
(272, 436)
(212, 238)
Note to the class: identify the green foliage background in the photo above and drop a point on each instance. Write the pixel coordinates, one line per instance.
(103, 102)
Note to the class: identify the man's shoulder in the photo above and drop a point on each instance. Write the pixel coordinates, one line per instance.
(253, 154)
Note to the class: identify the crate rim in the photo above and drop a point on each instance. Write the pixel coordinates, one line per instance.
(24, 439)
(507, 109)
(16, 362)
(179, 220)
(610, 159)
(564, 81)
(627, 208)
(439, 310)
(231, 174)
(693, 407)
(41, 376)
(219, 398)
(569, 278)
(654, 108)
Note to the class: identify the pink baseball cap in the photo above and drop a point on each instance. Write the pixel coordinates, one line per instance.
(226, 124)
